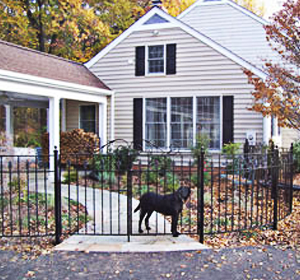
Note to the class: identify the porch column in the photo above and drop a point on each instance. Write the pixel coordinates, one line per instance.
(103, 124)
(266, 130)
(54, 127)
(63, 115)
(9, 122)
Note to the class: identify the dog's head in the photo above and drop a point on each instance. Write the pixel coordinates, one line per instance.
(184, 193)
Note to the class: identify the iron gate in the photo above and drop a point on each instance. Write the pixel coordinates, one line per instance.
(96, 194)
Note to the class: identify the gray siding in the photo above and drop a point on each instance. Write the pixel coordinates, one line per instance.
(289, 136)
(232, 29)
(201, 71)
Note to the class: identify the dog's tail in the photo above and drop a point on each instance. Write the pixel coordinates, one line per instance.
(137, 208)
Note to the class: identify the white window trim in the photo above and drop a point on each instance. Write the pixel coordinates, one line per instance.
(79, 114)
(147, 61)
(168, 97)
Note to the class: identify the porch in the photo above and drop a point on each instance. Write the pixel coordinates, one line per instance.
(58, 106)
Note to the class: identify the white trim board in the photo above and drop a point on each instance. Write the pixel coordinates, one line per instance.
(51, 84)
(174, 22)
(222, 2)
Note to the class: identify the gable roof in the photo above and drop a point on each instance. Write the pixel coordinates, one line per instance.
(218, 2)
(171, 23)
(31, 62)
(233, 27)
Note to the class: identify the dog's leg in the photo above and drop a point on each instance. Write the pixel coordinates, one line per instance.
(174, 225)
(142, 215)
(147, 220)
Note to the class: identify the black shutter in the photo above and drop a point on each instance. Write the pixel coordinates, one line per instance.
(227, 119)
(171, 59)
(138, 123)
(140, 61)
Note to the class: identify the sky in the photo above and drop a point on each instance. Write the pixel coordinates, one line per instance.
(271, 6)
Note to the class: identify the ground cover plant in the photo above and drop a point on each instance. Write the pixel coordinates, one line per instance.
(28, 211)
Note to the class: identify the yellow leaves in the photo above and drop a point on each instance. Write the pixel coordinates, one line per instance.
(175, 7)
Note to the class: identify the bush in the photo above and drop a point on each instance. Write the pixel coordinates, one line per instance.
(201, 141)
(119, 160)
(231, 150)
(207, 178)
(296, 153)
(70, 178)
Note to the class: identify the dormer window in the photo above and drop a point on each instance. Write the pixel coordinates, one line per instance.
(156, 59)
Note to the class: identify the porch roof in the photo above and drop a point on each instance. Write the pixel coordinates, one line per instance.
(31, 62)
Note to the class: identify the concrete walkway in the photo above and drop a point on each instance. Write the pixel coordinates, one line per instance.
(137, 244)
(107, 212)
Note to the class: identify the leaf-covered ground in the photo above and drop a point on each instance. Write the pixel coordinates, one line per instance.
(286, 237)
(232, 264)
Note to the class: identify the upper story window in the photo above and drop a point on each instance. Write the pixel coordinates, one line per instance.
(159, 59)
(156, 59)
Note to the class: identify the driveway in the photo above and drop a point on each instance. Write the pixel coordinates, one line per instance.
(232, 264)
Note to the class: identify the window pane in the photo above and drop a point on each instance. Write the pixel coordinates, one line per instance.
(88, 118)
(181, 122)
(156, 52)
(156, 66)
(156, 122)
(208, 119)
(156, 59)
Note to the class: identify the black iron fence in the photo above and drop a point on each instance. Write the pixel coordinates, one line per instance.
(96, 194)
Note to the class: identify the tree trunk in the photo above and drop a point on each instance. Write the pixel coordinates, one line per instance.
(41, 34)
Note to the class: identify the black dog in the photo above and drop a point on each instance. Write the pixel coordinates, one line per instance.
(169, 205)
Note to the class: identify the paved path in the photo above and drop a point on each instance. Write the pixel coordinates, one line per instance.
(108, 212)
(232, 264)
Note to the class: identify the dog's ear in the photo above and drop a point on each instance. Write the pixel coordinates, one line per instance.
(184, 192)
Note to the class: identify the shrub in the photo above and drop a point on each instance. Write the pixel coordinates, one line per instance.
(202, 140)
(296, 153)
(231, 150)
(119, 160)
(194, 178)
(160, 164)
(170, 182)
(70, 177)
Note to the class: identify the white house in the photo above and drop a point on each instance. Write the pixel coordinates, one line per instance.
(176, 77)
(33, 79)
(164, 80)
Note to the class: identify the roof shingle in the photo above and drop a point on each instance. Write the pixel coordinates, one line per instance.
(31, 62)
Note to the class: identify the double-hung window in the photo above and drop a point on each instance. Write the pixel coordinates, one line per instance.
(156, 122)
(208, 119)
(171, 122)
(88, 118)
(156, 59)
(181, 122)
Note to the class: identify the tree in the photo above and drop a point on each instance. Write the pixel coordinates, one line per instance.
(253, 6)
(279, 94)
(175, 7)
(67, 28)
(119, 14)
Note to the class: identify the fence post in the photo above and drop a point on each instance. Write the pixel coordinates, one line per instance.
(129, 197)
(57, 199)
(200, 192)
(291, 163)
(275, 169)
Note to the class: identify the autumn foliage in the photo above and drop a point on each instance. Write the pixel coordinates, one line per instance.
(77, 29)
(278, 95)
